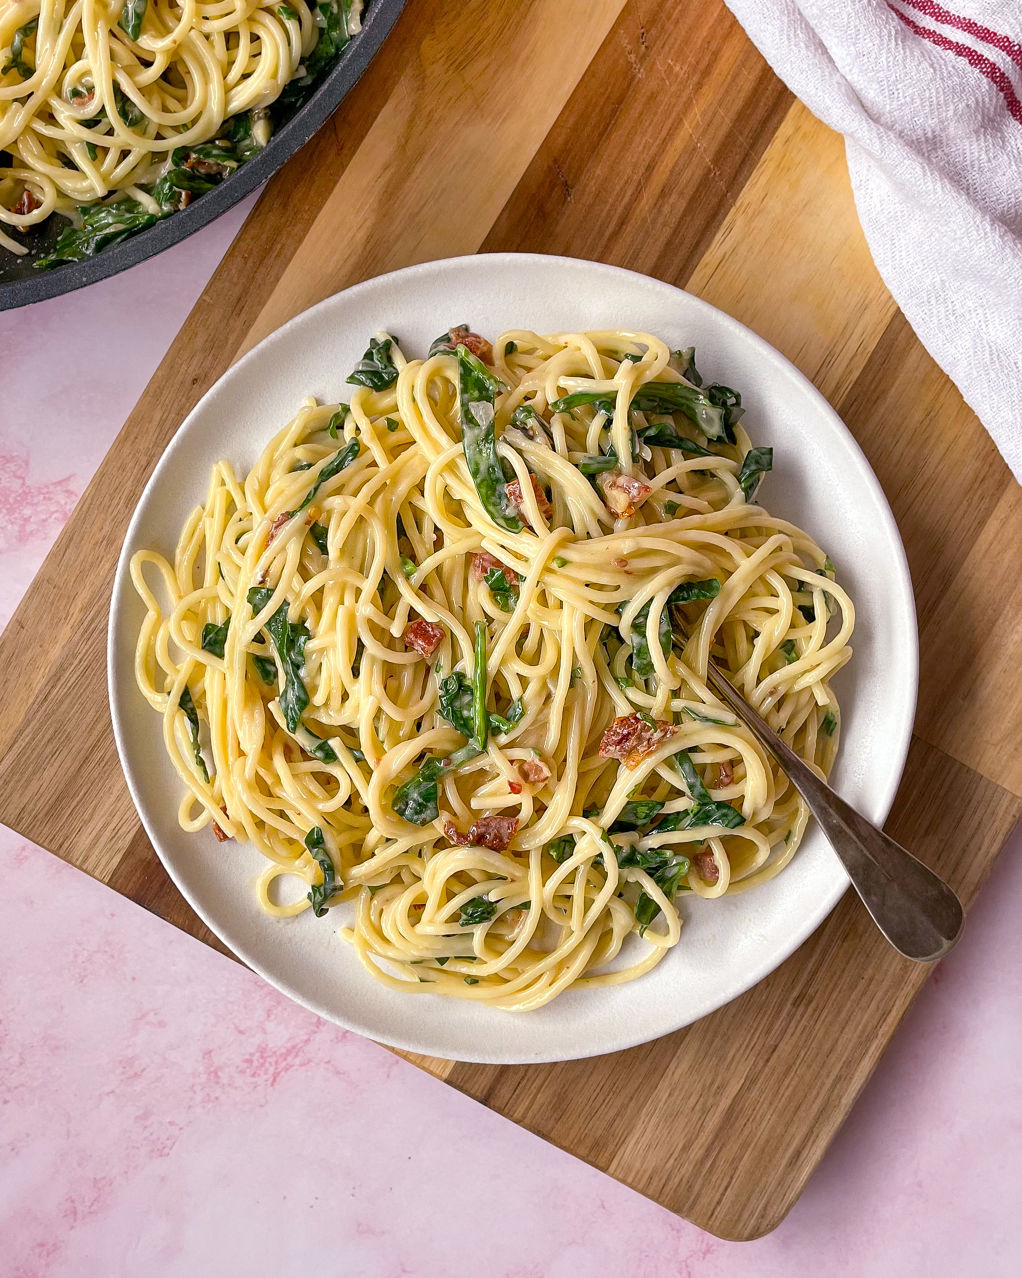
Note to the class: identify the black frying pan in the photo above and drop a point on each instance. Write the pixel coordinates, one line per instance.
(21, 283)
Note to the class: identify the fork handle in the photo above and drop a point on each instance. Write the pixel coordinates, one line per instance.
(914, 908)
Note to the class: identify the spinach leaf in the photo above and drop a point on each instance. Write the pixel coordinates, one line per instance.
(600, 401)
(504, 723)
(642, 660)
(340, 461)
(319, 534)
(689, 591)
(444, 344)
(338, 419)
(290, 641)
(456, 702)
(376, 369)
(266, 668)
(561, 849)
(408, 566)
(102, 226)
(687, 365)
(332, 23)
(131, 17)
(505, 595)
(322, 892)
(510, 348)
(192, 715)
(790, 651)
(17, 62)
(829, 723)
(480, 719)
(322, 750)
(714, 410)
(667, 879)
(525, 419)
(597, 465)
(755, 464)
(477, 393)
(417, 800)
(665, 437)
(636, 813)
(456, 706)
(214, 637)
(705, 718)
(479, 910)
(706, 811)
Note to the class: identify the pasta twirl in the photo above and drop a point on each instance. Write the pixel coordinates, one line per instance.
(441, 654)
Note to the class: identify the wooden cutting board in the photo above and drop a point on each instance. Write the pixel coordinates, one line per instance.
(654, 137)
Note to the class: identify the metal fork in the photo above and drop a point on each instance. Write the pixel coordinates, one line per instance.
(914, 908)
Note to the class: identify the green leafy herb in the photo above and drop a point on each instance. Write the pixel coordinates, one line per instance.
(755, 464)
(471, 980)
(525, 419)
(480, 719)
(667, 879)
(790, 651)
(642, 660)
(505, 596)
(479, 910)
(687, 365)
(340, 460)
(408, 566)
(392, 424)
(829, 723)
(670, 507)
(376, 369)
(17, 62)
(266, 668)
(714, 409)
(322, 750)
(322, 892)
(332, 22)
(561, 849)
(828, 564)
(637, 813)
(192, 715)
(593, 465)
(665, 437)
(599, 401)
(214, 637)
(131, 17)
(706, 811)
(102, 226)
(505, 722)
(632, 359)
(287, 13)
(510, 348)
(560, 561)
(417, 799)
(689, 591)
(705, 718)
(290, 641)
(338, 419)
(320, 535)
(477, 393)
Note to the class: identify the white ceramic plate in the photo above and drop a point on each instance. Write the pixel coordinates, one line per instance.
(820, 481)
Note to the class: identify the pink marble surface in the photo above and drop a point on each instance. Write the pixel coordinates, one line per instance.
(164, 1113)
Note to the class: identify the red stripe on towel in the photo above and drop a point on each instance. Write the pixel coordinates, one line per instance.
(937, 11)
(977, 60)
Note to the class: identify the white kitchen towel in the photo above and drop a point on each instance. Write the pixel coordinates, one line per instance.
(929, 99)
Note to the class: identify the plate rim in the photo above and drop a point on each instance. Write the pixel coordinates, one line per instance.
(900, 572)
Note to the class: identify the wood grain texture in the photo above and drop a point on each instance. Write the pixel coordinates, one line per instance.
(653, 137)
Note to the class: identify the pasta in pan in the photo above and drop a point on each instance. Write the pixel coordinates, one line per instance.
(148, 102)
(441, 653)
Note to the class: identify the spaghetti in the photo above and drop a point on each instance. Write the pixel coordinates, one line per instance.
(445, 649)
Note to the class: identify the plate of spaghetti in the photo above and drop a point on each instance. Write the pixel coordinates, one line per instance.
(408, 646)
(127, 124)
